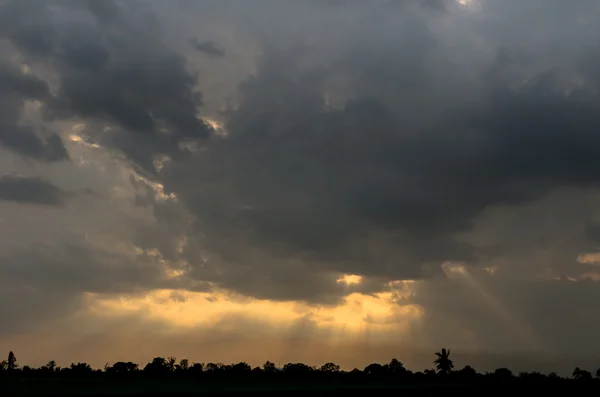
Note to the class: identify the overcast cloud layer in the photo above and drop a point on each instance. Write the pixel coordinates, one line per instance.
(268, 147)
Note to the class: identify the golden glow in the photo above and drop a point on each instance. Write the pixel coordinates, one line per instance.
(363, 311)
(454, 269)
(216, 125)
(197, 309)
(350, 279)
(590, 258)
(590, 276)
(158, 188)
(76, 138)
(401, 283)
(171, 270)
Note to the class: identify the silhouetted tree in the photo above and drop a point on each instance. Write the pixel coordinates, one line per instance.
(443, 363)
(467, 373)
(51, 366)
(170, 363)
(330, 368)
(430, 373)
(196, 369)
(241, 368)
(374, 369)
(122, 367)
(215, 367)
(598, 373)
(11, 362)
(396, 367)
(157, 366)
(374, 373)
(503, 373)
(81, 368)
(532, 377)
(296, 368)
(269, 367)
(581, 374)
(183, 365)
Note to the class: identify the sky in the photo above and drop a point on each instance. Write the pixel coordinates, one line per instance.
(314, 181)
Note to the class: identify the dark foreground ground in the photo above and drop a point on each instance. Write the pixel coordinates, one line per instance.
(86, 388)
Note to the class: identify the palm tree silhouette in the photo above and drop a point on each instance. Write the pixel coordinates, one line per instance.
(443, 363)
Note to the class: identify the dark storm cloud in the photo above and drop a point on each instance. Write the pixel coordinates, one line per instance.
(384, 184)
(368, 148)
(114, 71)
(30, 191)
(15, 88)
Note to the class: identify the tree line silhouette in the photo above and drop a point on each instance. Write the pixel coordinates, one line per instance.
(394, 371)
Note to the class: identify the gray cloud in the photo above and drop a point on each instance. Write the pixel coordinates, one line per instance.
(114, 72)
(397, 159)
(46, 281)
(387, 182)
(207, 47)
(17, 87)
(30, 190)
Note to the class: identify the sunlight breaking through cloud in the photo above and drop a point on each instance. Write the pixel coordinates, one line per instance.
(357, 313)
(349, 279)
(242, 171)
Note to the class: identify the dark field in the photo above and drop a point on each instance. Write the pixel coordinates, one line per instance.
(30, 387)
